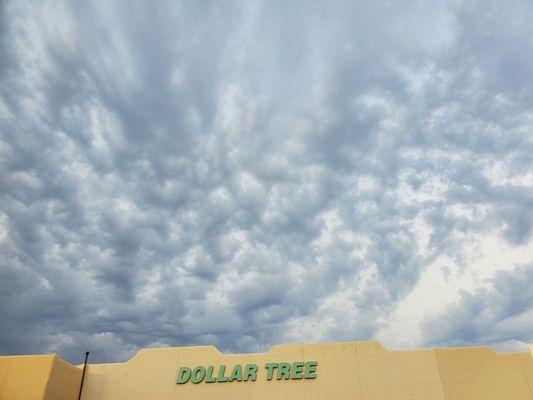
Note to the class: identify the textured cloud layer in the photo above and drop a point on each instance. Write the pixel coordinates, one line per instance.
(249, 173)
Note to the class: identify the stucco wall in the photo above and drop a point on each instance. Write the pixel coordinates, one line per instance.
(354, 371)
(24, 377)
(63, 382)
(357, 370)
(41, 377)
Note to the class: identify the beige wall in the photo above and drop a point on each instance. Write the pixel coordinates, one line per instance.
(64, 381)
(357, 370)
(479, 373)
(24, 377)
(354, 370)
(38, 377)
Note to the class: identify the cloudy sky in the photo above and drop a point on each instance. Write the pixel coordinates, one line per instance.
(249, 173)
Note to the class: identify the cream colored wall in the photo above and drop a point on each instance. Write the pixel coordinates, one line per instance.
(24, 377)
(479, 373)
(397, 374)
(64, 381)
(357, 370)
(41, 377)
(354, 371)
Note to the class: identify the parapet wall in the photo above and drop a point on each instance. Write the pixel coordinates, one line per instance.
(340, 371)
(351, 371)
(38, 377)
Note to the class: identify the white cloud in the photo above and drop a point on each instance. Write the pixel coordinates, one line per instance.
(252, 173)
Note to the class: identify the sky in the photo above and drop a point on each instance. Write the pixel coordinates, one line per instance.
(250, 173)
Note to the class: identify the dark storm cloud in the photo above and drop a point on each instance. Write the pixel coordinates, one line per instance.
(251, 173)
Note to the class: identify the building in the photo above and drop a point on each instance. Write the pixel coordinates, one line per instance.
(351, 371)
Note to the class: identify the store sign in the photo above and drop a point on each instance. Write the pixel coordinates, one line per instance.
(248, 372)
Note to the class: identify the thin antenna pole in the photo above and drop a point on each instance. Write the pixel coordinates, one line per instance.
(83, 374)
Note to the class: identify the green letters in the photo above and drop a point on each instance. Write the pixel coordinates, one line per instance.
(236, 374)
(221, 377)
(283, 370)
(310, 370)
(297, 370)
(184, 375)
(270, 369)
(209, 376)
(198, 374)
(250, 372)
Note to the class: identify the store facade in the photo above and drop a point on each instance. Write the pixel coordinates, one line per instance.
(351, 371)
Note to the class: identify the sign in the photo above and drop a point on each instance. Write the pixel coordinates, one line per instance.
(280, 370)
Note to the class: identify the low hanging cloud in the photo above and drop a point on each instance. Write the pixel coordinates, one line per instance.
(251, 173)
